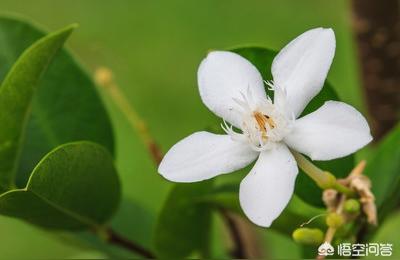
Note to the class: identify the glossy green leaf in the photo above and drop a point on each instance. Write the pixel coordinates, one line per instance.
(305, 188)
(260, 57)
(64, 108)
(388, 234)
(184, 223)
(224, 196)
(16, 94)
(384, 171)
(73, 187)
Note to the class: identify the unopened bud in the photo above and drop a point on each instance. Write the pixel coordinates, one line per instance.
(352, 206)
(334, 220)
(308, 236)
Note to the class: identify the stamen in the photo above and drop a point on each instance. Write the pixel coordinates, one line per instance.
(262, 120)
(263, 123)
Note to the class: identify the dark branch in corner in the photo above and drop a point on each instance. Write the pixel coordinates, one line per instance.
(239, 251)
(116, 239)
(377, 32)
(376, 27)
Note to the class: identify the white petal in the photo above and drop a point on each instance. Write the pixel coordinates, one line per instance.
(267, 189)
(333, 131)
(224, 76)
(204, 155)
(301, 67)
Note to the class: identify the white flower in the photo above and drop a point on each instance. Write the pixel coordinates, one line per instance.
(232, 88)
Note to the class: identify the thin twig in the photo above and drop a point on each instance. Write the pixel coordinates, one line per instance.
(238, 252)
(114, 238)
(104, 78)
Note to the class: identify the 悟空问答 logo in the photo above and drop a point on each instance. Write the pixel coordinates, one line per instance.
(326, 249)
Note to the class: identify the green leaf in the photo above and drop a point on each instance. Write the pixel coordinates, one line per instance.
(261, 58)
(306, 189)
(383, 170)
(388, 233)
(184, 223)
(73, 187)
(16, 94)
(224, 196)
(64, 108)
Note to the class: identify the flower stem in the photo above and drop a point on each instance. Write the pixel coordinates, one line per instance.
(104, 78)
(331, 231)
(324, 179)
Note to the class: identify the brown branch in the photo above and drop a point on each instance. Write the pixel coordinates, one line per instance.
(239, 251)
(114, 238)
(377, 30)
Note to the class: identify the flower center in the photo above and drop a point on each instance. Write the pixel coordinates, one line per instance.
(263, 124)
(262, 120)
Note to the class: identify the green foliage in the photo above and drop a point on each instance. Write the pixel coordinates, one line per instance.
(383, 170)
(73, 187)
(76, 185)
(63, 106)
(261, 58)
(16, 94)
(223, 196)
(305, 188)
(184, 223)
(388, 233)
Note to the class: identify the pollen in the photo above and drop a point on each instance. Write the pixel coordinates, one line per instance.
(262, 120)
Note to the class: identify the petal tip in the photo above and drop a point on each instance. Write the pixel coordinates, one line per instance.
(166, 173)
(330, 32)
(370, 138)
(259, 221)
(214, 53)
(162, 172)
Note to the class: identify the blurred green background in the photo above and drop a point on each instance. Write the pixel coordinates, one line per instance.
(154, 49)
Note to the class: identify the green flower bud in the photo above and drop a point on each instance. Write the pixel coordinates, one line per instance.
(308, 236)
(352, 206)
(334, 220)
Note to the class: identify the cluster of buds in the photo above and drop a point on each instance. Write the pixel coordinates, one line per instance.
(362, 185)
(342, 209)
(349, 208)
